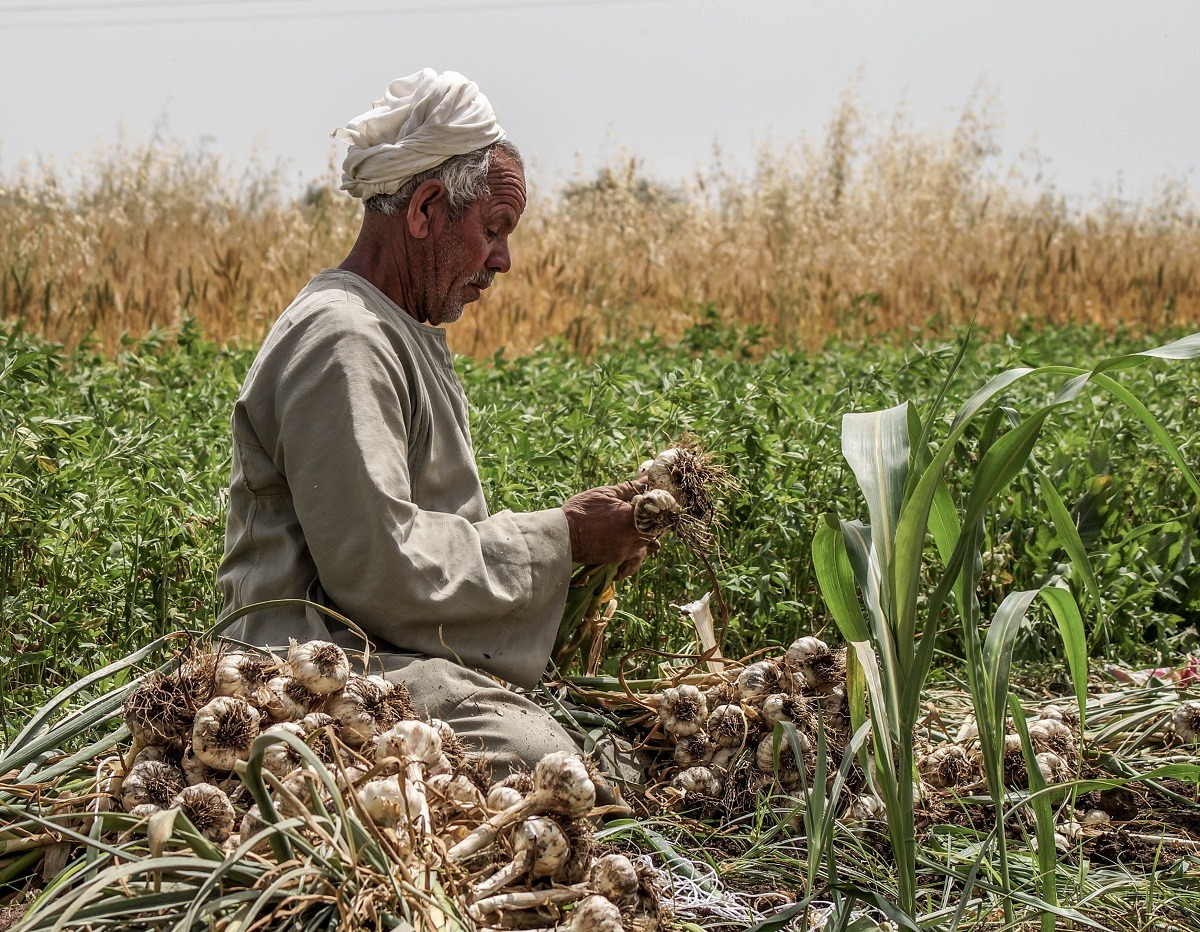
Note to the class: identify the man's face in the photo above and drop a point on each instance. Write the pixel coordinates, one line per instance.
(472, 249)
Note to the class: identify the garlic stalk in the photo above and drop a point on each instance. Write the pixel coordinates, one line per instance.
(561, 785)
(416, 746)
(540, 848)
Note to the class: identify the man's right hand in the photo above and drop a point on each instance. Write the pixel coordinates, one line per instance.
(601, 525)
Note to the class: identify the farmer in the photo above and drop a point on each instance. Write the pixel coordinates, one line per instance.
(353, 480)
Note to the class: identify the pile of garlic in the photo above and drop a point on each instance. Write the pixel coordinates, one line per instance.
(721, 730)
(520, 850)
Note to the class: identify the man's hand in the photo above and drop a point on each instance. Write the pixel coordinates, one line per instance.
(601, 525)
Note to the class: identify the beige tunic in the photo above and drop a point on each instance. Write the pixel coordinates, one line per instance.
(354, 485)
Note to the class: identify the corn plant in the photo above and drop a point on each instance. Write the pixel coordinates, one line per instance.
(909, 500)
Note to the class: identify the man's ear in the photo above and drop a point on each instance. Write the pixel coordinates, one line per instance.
(427, 199)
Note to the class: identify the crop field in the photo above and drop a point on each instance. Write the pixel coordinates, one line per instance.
(112, 491)
(953, 577)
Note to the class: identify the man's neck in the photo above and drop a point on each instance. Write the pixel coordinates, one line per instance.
(376, 258)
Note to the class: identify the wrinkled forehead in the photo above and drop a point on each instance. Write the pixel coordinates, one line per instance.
(506, 184)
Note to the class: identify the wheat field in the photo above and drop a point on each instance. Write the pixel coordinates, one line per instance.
(878, 228)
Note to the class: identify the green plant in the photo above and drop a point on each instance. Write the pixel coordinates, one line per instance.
(908, 500)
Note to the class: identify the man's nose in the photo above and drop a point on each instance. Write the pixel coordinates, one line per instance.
(501, 259)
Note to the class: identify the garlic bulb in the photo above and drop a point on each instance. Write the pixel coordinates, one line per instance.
(151, 752)
(1054, 769)
(152, 782)
(1051, 734)
(285, 699)
(321, 667)
(409, 742)
(561, 785)
(655, 512)
(820, 667)
(702, 781)
(1068, 716)
(595, 913)
(390, 803)
(803, 650)
(727, 726)
(944, 767)
(693, 750)
(281, 758)
(614, 878)
(682, 710)
(194, 770)
(209, 809)
(501, 797)
(367, 706)
(224, 730)
(866, 808)
(1186, 721)
(242, 675)
(193, 678)
(457, 792)
(156, 712)
(760, 679)
(786, 766)
(1096, 817)
(780, 707)
(540, 848)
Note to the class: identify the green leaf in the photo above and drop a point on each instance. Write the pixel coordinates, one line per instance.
(1070, 625)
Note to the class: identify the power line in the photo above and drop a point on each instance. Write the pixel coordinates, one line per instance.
(323, 14)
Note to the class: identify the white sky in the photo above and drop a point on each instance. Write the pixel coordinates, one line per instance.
(1108, 92)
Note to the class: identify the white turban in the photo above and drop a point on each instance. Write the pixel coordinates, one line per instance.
(421, 121)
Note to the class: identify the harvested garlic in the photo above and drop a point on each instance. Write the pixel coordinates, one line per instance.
(285, 699)
(655, 512)
(682, 710)
(614, 878)
(945, 767)
(321, 667)
(281, 758)
(208, 808)
(540, 848)
(727, 726)
(702, 781)
(152, 782)
(223, 732)
(561, 785)
(694, 750)
(595, 913)
(242, 675)
(1186, 721)
(761, 679)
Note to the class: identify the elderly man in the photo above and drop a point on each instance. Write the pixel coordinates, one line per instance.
(353, 481)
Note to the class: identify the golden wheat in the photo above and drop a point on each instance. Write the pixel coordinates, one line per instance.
(884, 231)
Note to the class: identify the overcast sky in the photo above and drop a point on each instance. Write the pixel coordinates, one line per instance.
(1105, 90)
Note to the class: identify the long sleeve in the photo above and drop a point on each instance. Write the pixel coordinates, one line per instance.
(361, 431)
